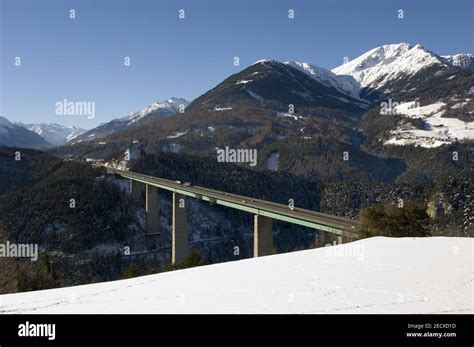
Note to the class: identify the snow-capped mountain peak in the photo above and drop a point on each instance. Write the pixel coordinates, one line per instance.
(262, 61)
(388, 62)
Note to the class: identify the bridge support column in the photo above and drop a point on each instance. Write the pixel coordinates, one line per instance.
(136, 192)
(262, 236)
(321, 238)
(152, 211)
(179, 247)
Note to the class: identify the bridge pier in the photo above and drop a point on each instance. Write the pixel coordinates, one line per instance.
(136, 189)
(325, 240)
(262, 236)
(152, 211)
(179, 249)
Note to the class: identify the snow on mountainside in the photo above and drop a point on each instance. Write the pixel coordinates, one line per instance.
(17, 136)
(388, 62)
(438, 130)
(147, 114)
(55, 134)
(345, 84)
(376, 275)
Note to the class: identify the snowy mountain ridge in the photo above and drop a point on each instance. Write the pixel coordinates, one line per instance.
(17, 136)
(172, 104)
(147, 114)
(460, 60)
(55, 134)
(374, 68)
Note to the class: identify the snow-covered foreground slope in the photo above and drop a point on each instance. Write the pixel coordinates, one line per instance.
(378, 275)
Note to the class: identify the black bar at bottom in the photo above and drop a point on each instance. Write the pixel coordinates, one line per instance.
(221, 330)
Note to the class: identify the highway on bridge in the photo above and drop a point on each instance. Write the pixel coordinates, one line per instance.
(316, 220)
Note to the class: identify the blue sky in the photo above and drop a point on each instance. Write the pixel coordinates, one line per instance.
(82, 59)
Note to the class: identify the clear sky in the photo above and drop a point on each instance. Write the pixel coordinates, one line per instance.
(83, 59)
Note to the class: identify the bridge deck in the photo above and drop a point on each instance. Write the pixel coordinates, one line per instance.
(316, 220)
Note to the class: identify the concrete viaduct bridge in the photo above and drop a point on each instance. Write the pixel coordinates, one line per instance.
(264, 212)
